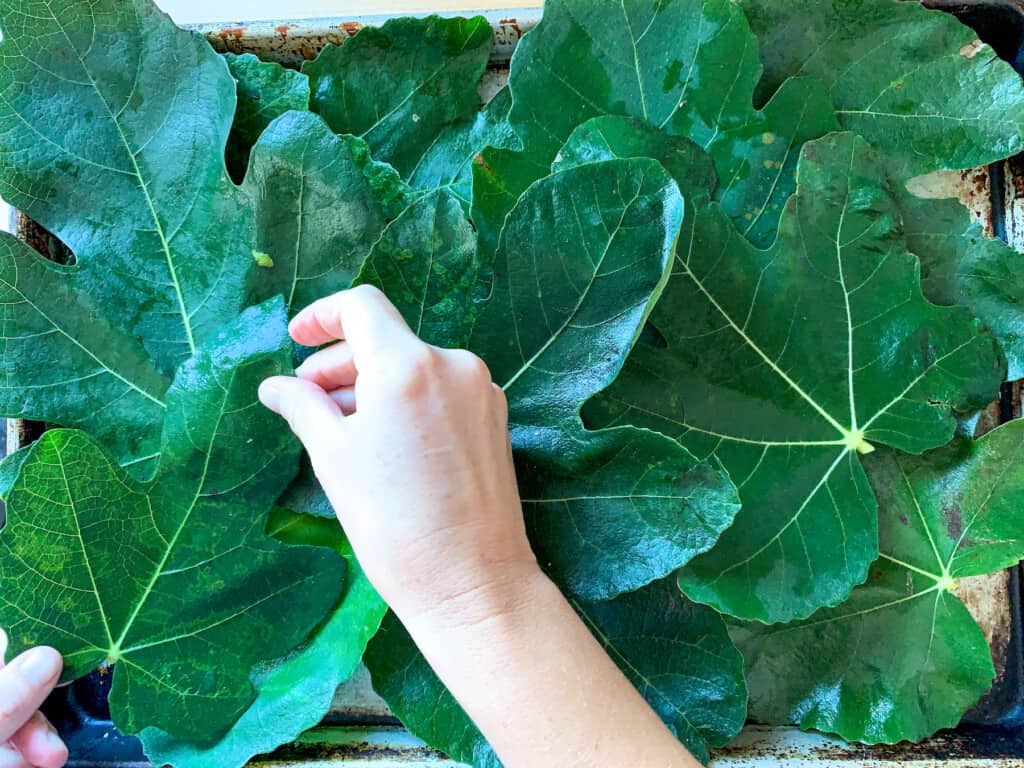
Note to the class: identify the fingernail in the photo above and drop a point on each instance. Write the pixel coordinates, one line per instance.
(270, 394)
(53, 739)
(39, 665)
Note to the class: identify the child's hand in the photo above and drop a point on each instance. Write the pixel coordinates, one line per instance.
(411, 445)
(27, 740)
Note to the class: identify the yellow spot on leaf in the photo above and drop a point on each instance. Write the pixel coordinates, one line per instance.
(262, 259)
(767, 137)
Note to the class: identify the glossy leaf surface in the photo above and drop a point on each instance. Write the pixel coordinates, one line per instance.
(785, 364)
(162, 578)
(903, 657)
(398, 86)
(295, 692)
(678, 654)
(322, 204)
(959, 265)
(685, 67)
(114, 123)
(914, 82)
(265, 91)
(581, 256)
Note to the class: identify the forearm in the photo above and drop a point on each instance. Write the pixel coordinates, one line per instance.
(538, 685)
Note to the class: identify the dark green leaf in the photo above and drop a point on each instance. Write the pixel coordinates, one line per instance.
(959, 265)
(64, 362)
(163, 578)
(114, 123)
(916, 83)
(688, 68)
(448, 162)
(678, 654)
(785, 364)
(581, 257)
(295, 692)
(902, 658)
(756, 161)
(398, 86)
(266, 90)
(413, 692)
(322, 205)
(426, 260)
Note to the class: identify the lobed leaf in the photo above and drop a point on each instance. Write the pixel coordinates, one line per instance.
(786, 364)
(400, 85)
(902, 658)
(914, 82)
(293, 693)
(162, 578)
(114, 124)
(684, 67)
(581, 256)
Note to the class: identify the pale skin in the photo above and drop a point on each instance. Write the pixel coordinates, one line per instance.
(411, 445)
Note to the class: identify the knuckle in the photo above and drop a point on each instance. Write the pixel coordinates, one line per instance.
(473, 368)
(415, 372)
(365, 291)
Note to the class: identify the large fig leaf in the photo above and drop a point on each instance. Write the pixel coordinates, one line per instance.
(686, 67)
(295, 692)
(581, 256)
(174, 581)
(914, 82)
(114, 123)
(918, 85)
(678, 654)
(902, 658)
(398, 86)
(786, 364)
(265, 91)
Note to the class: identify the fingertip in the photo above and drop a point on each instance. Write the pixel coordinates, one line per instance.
(269, 393)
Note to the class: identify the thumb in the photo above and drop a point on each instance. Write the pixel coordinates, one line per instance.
(310, 412)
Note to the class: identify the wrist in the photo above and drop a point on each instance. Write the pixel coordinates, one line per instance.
(502, 597)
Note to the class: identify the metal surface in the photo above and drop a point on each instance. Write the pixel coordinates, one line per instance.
(359, 730)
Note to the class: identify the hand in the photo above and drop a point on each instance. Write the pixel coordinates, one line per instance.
(411, 445)
(27, 740)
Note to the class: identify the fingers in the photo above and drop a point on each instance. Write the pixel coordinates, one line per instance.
(24, 684)
(362, 316)
(330, 368)
(39, 743)
(313, 416)
(11, 758)
(345, 398)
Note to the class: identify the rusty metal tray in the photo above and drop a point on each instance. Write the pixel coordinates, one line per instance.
(360, 730)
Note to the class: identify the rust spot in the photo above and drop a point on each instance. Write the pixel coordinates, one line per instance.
(236, 33)
(282, 29)
(904, 520)
(970, 50)
(351, 27)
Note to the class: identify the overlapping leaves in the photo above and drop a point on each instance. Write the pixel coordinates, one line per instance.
(163, 578)
(778, 365)
(313, 213)
(902, 658)
(828, 326)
